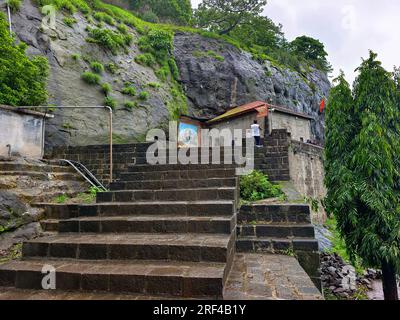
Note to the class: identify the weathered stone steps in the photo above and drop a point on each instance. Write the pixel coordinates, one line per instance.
(275, 245)
(173, 184)
(180, 167)
(183, 279)
(65, 176)
(178, 174)
(276, 230)
(131, 246)
(197, 194)
(11, 166)
(285, 213)
(149, 224)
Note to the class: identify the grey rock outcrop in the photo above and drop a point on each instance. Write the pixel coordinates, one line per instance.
(213, 85)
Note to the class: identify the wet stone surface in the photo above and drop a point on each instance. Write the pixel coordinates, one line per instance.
(269, 277)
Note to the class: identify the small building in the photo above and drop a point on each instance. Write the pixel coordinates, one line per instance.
(22, 132)
(268, 116)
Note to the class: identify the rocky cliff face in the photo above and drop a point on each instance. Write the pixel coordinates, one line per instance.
(214, 74)
(217, 76)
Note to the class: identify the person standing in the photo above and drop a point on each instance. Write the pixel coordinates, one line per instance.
(255, 132)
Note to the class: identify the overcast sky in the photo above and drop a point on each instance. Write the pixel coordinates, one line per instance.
(348, 28)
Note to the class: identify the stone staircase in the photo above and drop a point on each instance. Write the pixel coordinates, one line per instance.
(280, 228)
(163, 230)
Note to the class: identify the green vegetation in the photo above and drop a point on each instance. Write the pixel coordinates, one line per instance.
(97, 67)
(111, 68)
(243, 25)
(22, 80)
(61, 199)
(69, 6)
(122, 28)
(109, 39)
(110, 102)
(104, 17)
(363, 168)
(69, 21)
(130, 105)
(154, 85)
(91, 78)
(170, 11)
(129, 90)
(75, 56)
(209, 53)
(144, 95)
(106, 88)
(14, 253)
(14, 5)
(146, 59)
(256, 186)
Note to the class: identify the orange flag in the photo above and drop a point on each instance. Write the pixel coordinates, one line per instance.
(322, 106)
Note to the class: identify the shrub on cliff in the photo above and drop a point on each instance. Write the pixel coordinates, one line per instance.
(22, 80)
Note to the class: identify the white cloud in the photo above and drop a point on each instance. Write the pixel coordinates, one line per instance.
(348, 28)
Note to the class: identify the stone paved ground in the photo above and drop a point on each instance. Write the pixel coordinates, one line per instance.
(253, 277)
(269, 277)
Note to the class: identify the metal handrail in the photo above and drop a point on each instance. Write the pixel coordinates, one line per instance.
(94, 182)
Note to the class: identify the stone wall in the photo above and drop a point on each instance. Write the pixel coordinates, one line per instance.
(299, 128)
(277, 155)
(97, 158)
(23, 131)
(307, 173)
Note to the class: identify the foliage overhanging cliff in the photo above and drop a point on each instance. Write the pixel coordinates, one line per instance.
(102, 54)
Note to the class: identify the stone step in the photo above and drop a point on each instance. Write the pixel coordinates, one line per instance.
(65, 176)
(258, 158)
(178, 174)
(131, 246)
(12, 166)
(277, 213)
(49, 225)
(173, 184)
(149, 224)
(180, 167)
(168, 195)
(275, 245)
(276, 230)
(183, 279)
(185, 208)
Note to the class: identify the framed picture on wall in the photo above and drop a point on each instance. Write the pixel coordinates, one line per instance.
(188, 135)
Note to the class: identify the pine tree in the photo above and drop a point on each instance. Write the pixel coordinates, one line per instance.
(362, 162)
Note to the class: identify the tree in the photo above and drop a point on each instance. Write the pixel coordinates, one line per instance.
(223, 16)
(363, 168)
(22, 80)
(260, 31)
(310, 49)
(176, 11)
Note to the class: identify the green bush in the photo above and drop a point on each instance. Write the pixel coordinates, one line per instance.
(69, 21)
(75, 56)
(150, 16)
(14, 5)
(122, 28)
(144, 95)
(23, 80)
(129, 90)
(130, 105)
(111, 68)
(97, 67)
(91, 78)
(106, 88)
(102, 16)
(155, 85)
(256, 186)
(145, 59)
(109, 39)
(110, 102)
